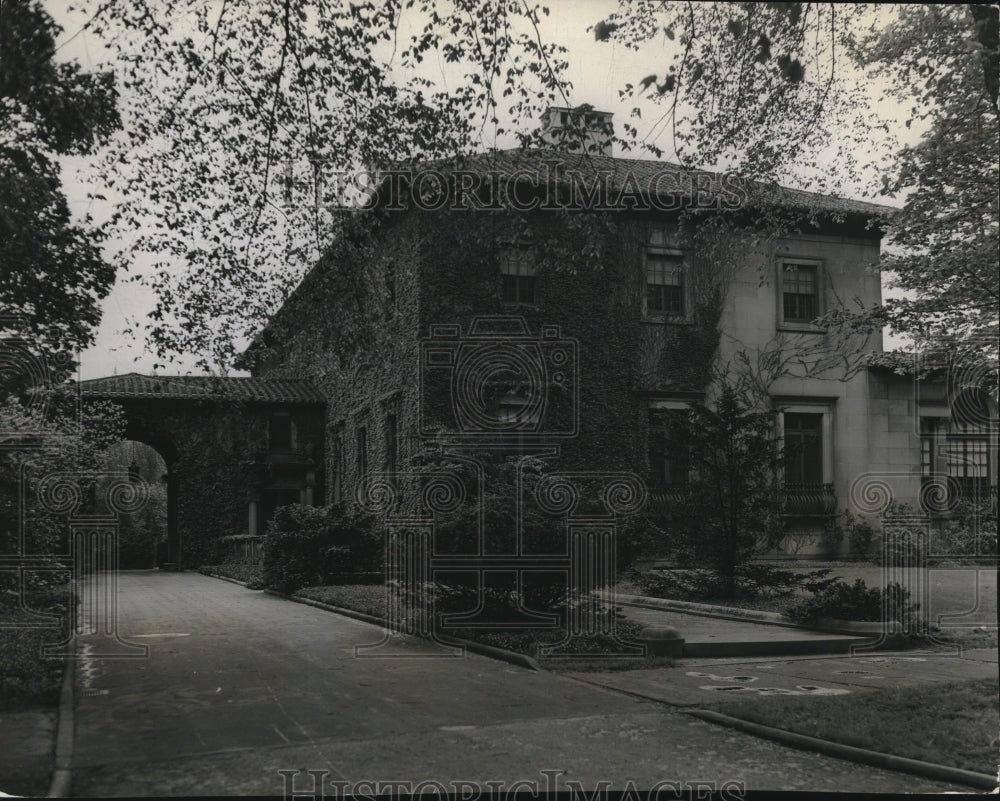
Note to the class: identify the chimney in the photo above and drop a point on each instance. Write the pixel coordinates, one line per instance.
(580, 129)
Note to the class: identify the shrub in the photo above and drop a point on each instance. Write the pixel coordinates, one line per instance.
(308, 545)
(241, 571)
(971, 531)
(28, 679)
(857, 601)
(752, 581)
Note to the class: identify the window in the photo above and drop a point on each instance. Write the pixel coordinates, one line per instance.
(362, 452)
(803, 448)
(669, 457)
(279, 433)
(338, 465)
(391, 443)
(665, 290)
(928, 432)
(518, 271)
(969, 462)
(799, 284)
(968, 454)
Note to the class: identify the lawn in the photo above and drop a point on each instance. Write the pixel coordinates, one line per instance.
(366, 598)
(967, 592)
(370, 599)
(952, 724)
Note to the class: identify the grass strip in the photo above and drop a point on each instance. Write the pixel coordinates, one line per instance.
(953, 723)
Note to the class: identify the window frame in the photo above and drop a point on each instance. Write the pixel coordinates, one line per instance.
(681, 466)
(685, 270)
(530, 278)
(804, 405)
(802, 463)
(339, 463)
(800, 325)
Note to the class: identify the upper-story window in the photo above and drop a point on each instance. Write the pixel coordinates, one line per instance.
(800, 292)
(666, 285)
(280, 433)
(518, 274)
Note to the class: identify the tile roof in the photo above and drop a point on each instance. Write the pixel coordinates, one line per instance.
(671, 180)
(184, 387)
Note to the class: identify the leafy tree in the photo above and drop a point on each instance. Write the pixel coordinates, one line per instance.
(52, 273)
(241, 119)
(61, 440)
(943, 60)
(765, 87)
(242, 123)
(731, 512)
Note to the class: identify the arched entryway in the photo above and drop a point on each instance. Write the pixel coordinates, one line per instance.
(232, 447)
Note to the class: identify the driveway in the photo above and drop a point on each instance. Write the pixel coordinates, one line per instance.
(240, 686)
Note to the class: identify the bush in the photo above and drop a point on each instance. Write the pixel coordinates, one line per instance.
(857, 601)
(752, 581)
(308, 545)
(971, 531)
(251, 575)
(27, 679)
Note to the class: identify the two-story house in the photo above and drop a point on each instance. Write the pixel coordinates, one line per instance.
(638, 284)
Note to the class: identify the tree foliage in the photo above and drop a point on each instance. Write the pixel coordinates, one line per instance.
(52, 272)
(243, 123)
(731, 512)
(941, 60)
(765, 87)
(236, 106)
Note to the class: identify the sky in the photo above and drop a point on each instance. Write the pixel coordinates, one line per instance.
(598, 70)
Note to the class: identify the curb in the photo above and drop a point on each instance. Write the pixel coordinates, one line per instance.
(224, 578)
(491, 651)
(825, 625)
(931, 770)
(62, 775)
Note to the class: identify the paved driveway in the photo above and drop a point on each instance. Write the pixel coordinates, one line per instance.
(240, 685)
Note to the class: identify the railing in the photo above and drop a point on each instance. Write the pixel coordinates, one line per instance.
(808, 500)
(797, 500)
(663, 499)
(244, 548)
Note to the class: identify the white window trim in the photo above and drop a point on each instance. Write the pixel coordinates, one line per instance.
(793, 325)
(663, 317)
(815, 407)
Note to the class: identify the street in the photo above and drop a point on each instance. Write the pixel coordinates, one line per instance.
(240, 685)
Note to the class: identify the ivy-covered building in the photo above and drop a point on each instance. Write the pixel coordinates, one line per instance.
(611, 293)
